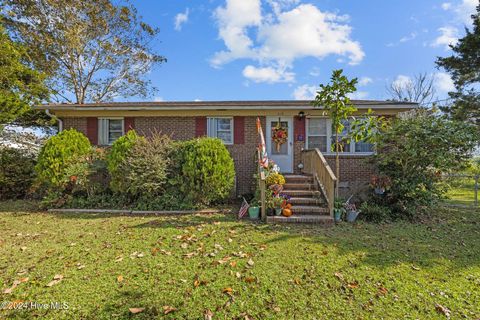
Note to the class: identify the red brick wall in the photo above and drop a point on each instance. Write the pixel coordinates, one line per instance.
(355, 173)
(354, 169)
(180, 128)
(80, 124)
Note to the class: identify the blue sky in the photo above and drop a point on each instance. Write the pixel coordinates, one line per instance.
(282, 49)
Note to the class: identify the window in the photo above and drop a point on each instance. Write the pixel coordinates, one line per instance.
(317, 134)
(320, 135)
(109, 130)
(221, 128)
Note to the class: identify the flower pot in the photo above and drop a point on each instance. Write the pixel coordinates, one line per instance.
(352, 216)
(379, 190)
(278, 211)
(270, 212)
(337, 215)
(254, 213)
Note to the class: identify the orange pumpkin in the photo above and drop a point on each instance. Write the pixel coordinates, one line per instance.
(287, 212)
(288, 206)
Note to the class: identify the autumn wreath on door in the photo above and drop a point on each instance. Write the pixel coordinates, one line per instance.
(279, 135)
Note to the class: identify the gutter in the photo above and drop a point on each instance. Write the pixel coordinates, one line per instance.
(60, 121)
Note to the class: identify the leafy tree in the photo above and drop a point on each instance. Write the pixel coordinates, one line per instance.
(334, 98)
(420, 89)
(20, 85)
(91, 51)
(464, 67)
(415, 151)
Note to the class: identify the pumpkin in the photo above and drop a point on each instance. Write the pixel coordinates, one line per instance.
(287, 212)
(288, 206)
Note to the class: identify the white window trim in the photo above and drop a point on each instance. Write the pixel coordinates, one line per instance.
(103, 131)
(232, 129)
(329, 141)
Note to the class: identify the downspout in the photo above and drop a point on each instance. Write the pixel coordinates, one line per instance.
(60, 121)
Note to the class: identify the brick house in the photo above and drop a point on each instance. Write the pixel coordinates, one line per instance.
(234, 123)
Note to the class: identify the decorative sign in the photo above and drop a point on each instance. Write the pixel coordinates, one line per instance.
(300, 137)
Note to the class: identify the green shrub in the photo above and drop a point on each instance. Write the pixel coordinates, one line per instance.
(58, 153)
(145, 167)
(275, 178)
(206, 171)
(414, 153)
(88, 175)
(374, 212)
(120, 148)
(16, 172)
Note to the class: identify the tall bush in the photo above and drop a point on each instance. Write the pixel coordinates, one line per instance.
(57, 155)
(415, 152)
(16, 172)
(206, 171)
(145, 166)
(120, 148)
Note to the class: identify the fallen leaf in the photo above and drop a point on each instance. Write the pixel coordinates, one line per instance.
(233, 264)
(443, 310)
(382, 290)
(250, 262)
(353, 285)
(118, 259)
(23, 248)
(56, 279)
(184, 245)
(415, 268)
(14, 285)
(227, 290)
(249, 279)
(238, 275)
(136, 310)
(339, 276)
(208, 315)
(120, 278)
(168, 309)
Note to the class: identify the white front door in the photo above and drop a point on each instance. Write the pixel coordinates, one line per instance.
(281, 154)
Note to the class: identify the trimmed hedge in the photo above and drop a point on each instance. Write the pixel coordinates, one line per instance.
(58, 153)
(206, 171)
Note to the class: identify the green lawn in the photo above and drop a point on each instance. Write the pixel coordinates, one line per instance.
(191, 265)
(461, 190)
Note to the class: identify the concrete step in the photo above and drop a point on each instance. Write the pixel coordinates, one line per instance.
(322, 220)
(299, 186)
(301, 193)
(306, 201)
(310, 210)
(298, 178)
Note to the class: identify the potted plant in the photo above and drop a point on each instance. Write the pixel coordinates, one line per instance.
(254, 211)
(277, 204)
(380, 184)
(338, 210)
(352, 212)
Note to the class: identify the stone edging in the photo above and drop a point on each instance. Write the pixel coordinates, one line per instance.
(141, 212)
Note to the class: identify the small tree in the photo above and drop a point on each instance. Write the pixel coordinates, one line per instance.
(334, 98)
(420, 89)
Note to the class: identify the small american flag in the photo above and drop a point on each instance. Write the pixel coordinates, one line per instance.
(243, 209)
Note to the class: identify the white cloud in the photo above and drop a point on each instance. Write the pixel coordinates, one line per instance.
(443, 82)
(465, 10)
(446, 5)
(402, 81)
(305, 92)
(448, 36)
(197, 100)
(268, 74)
(180, 19)
(358, 95)
(303, 31)
(158, 99)
(363, 81)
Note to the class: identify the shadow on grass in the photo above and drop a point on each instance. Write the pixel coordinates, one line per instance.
(452, 236)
